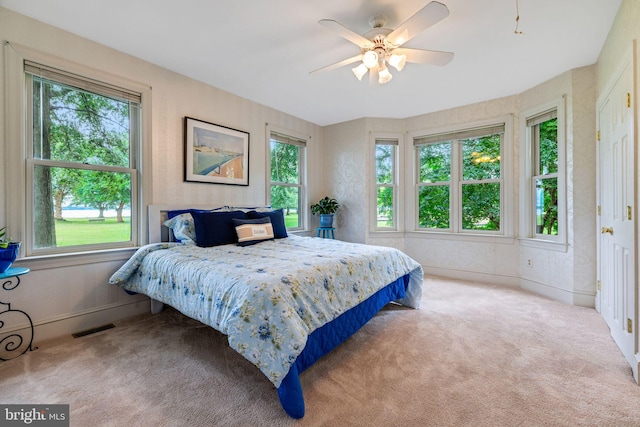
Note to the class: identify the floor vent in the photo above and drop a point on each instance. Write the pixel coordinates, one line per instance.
(93, 331)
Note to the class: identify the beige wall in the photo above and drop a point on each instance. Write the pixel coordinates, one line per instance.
(618, 45)
(68, 294)
(567, 274)
(346, 177)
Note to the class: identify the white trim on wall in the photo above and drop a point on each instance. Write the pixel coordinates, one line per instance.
(82, 321)
(563, 295)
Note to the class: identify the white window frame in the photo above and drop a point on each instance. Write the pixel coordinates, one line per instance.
(528, 156)
(455, 230)
(397, 140)
(17, 208)
(301, 141)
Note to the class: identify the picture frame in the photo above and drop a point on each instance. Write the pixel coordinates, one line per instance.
(215, 154)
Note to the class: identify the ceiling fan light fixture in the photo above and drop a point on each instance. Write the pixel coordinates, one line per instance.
(398, 61)
(360, 71)
(384, 76)
(370, 59)
(383, 45)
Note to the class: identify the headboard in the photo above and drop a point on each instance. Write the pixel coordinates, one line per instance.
(157, 215)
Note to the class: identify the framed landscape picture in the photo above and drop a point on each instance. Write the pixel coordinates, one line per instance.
(215, 154)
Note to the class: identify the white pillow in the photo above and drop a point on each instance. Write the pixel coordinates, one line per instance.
(183, 227)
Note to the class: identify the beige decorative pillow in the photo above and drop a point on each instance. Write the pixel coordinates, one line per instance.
(252, 231)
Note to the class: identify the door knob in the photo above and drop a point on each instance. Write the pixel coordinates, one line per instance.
(607, 230)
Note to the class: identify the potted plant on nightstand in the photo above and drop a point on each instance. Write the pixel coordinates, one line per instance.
(8, 250)
(326, 207)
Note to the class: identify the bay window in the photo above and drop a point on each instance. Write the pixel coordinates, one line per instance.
(460, 181)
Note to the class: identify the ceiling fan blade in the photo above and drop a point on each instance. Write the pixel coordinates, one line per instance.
(346, 33)
(338, 64)
(432, 57)
(424, 18)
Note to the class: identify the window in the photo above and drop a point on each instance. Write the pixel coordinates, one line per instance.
(460, 180)
(386, 179)
(543, 182)
(544, 135)
(83, 137)
(287, 177)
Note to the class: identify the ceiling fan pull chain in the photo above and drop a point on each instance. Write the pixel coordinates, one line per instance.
(520, 33)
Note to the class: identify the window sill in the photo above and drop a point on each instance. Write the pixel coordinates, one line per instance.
(544, 244)
(386, 234)
(504, 240)
(45, 262)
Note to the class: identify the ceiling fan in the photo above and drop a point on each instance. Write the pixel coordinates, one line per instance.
(381, 46)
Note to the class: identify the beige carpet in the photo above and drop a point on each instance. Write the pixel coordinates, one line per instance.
(474, 355)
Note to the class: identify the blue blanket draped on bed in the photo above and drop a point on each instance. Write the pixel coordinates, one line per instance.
(326, 338)
(282, 303)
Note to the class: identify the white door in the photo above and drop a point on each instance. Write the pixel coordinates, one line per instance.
(616, 196)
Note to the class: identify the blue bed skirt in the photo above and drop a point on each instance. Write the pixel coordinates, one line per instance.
(326, 338)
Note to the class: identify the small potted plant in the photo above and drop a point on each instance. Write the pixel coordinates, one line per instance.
(8, 250)
(326, 207)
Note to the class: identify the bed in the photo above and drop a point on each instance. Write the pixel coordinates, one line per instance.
(282, 300)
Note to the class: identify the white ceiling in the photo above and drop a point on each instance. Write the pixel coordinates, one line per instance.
(263, 50)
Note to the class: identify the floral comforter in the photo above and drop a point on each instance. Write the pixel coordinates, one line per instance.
(267, 298)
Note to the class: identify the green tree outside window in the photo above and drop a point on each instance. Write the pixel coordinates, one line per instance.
(286, 183)
(82, 157)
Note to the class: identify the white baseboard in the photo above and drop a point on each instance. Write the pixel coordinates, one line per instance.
(78, 322)
(573, 298)
(472, 276)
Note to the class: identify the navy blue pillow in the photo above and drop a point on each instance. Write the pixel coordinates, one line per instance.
(181, 230)
(215, 228)
(171, 214)
(277, 221)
